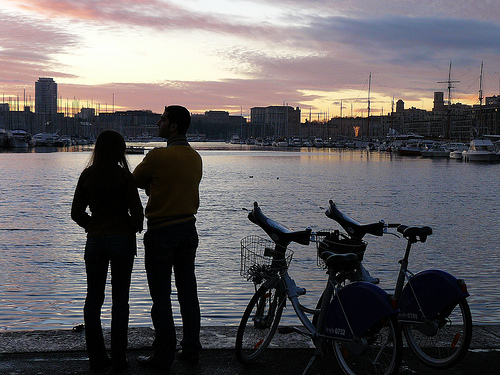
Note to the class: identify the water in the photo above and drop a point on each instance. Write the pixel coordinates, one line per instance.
(42, 275)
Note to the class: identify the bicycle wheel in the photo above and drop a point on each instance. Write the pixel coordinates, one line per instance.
(379, 351)
(443, 342)
(259, 322)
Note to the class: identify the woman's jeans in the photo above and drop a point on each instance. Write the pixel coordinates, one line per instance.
(174, 247)
(99, 253)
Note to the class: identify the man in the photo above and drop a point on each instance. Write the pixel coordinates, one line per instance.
(171, 176)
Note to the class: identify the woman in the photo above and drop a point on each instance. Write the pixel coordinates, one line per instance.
(107, 187)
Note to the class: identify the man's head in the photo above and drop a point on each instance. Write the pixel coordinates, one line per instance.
(174, 121)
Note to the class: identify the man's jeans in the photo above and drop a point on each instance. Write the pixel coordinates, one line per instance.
(99, 253)
(174, 247)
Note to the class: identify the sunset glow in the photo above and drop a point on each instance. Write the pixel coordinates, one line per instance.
(234, 55)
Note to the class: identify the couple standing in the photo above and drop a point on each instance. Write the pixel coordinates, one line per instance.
(170, 177)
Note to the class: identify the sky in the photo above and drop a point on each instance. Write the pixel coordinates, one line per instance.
(232, 55)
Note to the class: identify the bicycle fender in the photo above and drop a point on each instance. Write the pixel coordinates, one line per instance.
(435, 291)
(364, 305)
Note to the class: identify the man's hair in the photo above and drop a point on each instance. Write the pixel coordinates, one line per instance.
(180, 115)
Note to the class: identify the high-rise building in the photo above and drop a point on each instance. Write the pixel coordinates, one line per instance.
(438, 102)
(46, 97)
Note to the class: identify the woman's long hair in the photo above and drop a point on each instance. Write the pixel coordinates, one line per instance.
(108, 154)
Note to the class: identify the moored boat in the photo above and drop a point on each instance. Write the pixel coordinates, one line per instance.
(134, 150)
(456, 149)
(436, 150)
(45, 139)
(409, 149)
(480, 150)
(18, 138)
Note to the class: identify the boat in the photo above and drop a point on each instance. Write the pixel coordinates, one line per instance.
(18, 138)
(307, 143)
(409, 149)
(138, 150)
(45, 139)
(318, 142)
(435, 150)
(480, 150)
(282, 142)
(456, 149)
(235, 140)
(296, 142)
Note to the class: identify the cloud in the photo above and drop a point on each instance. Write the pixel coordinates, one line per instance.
(27, 48)
(311, 50)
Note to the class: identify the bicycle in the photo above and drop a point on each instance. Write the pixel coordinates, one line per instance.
(356, 322)
(434, 314)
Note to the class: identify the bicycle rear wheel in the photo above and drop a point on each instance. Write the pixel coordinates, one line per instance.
(259, 322)
(443, 342)
(379, 351)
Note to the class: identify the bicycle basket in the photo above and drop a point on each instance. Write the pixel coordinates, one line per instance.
(261, 259)
(339, 243)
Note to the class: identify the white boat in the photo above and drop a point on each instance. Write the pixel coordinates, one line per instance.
(480, 150)
(436, 150)
(45, 139)
(134, 150)
(456, 149)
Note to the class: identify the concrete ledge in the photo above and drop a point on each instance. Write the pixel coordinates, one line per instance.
(217, 337)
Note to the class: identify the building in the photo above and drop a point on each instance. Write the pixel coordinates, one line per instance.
(438, 102)
(46, 98)
(275, 121)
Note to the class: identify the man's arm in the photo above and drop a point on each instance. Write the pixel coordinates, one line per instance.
(142, 173)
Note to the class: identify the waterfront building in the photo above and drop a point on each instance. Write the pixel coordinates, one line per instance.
(275, 121)
(46, 98)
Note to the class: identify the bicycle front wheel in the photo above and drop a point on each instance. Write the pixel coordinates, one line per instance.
(379, 351)
(444, 341)
(259, 322)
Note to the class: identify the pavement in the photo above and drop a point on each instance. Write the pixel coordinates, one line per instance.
(55, 352)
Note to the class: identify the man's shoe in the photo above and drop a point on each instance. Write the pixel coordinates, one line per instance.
(152, 362)
(192, 358)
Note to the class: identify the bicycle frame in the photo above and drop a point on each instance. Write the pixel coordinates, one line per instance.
(426, 293)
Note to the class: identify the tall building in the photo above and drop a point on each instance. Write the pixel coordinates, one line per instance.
(438, 102)
(46, 97)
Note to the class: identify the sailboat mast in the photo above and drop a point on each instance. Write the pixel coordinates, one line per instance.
(447, 131)
(480, 98)
(369, 88)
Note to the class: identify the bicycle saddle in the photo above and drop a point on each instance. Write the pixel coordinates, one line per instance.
(278, 232)
(340, 262)
(352, 227)
(415, 234)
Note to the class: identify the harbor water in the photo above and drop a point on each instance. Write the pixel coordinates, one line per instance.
(42, 273)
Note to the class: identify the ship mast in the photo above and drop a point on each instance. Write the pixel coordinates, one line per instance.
(480, 98)
(369, 88)
(448, 109)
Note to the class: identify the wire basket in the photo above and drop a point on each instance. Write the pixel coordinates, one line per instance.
(338, 243)
(261, 259)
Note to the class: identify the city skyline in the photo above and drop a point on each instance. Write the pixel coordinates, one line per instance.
(235, 55)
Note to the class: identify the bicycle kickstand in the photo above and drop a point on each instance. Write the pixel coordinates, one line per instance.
(318, 353)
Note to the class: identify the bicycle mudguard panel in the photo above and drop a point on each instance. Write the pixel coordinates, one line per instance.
(429, 293)
(364, 305)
